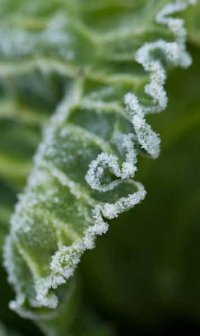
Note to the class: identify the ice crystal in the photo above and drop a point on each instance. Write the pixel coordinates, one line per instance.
(50, 186)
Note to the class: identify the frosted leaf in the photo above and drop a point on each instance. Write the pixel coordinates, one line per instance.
(84, 168)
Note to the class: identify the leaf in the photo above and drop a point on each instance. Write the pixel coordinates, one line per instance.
(5, 332)
(6, 208)
(90, 147)
(146, 269)
(193, 27)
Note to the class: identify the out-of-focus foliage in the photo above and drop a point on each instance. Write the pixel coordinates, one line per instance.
(4, 331)
(146, 268)
(192, 23)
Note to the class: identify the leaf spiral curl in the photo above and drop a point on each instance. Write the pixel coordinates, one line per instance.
(64, 205)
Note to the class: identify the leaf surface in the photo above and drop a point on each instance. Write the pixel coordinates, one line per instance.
(83, 170)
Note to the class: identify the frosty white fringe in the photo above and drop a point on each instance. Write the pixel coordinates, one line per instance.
(175, 54)
(65, 260)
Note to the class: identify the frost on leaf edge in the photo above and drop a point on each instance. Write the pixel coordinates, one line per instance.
(176, 55)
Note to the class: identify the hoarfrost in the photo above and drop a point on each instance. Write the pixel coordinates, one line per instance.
(65, 260)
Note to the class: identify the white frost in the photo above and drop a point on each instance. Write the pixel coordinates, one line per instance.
(65, 260)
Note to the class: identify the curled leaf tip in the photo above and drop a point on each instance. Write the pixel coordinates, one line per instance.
(83, 173)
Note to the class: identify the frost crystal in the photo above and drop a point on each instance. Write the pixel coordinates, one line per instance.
(174, 53)
(65, 258)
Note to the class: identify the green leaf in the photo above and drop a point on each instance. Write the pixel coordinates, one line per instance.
(145, 271)
(5, 332)
(193, 26)
(84, 168)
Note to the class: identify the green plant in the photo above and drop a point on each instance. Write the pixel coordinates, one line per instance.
(82, 59)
